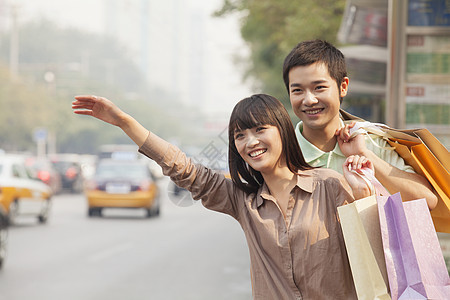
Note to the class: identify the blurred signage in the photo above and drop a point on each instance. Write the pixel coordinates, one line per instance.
(427, 83)
(40, 134)
(428, 93)
(364, 25)
(428, 59)
(429, 13)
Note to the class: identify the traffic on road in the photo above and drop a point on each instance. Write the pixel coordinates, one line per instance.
(161, 249)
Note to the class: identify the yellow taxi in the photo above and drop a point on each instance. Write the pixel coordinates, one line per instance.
(122, 183)
(22, 193)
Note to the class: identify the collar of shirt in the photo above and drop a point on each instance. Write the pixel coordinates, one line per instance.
(311, 152)
(304, 182)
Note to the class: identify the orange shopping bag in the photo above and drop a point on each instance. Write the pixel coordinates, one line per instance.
(422, 151)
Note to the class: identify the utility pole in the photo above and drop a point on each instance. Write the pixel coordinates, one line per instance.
(14, 45)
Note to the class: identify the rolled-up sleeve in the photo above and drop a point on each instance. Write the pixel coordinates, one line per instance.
(217, 192)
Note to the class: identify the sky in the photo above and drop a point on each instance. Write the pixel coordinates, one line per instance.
(184, 43)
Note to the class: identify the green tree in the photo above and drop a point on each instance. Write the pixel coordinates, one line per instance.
(271, 28)
(81, 63)
(23, 109)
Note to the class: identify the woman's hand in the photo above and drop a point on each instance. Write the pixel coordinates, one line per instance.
(100, 108)
(353, 165)
(103, 109)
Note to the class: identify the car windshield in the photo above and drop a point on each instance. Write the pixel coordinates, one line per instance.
(63, 165)
(112, 170)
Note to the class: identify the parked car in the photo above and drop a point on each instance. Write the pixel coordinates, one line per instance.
(22, 194)
(69, 167)
(46, 172)
(122, 183)
(3, 231)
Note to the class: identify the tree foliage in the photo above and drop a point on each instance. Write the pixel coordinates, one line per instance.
(271, 28)
(82, 63)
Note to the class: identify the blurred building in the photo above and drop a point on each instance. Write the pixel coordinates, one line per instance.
(179, 47)
(398, 55)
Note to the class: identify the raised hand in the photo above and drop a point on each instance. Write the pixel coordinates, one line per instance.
(103, 109)
(98, 107)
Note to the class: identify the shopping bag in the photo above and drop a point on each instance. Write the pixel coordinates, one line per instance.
(414, 262)
(361, 228)
(432, 160)
(422, 151)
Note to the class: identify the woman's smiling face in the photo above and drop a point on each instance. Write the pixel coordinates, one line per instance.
(260, 147)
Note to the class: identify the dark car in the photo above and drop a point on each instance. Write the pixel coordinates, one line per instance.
(69, 167)
(45, 171)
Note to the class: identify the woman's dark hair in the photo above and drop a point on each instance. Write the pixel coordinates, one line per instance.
(254, 111)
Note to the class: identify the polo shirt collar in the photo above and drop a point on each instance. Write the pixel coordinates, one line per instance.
(311, 152)
(304, 182)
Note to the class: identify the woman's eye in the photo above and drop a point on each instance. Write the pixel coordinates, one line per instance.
(296, 90)
(320, 87)
(238, 136)
(260, 128)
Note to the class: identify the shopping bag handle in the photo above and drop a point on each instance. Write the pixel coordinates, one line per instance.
(369, 175)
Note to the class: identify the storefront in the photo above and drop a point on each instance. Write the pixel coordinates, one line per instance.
(398, 55)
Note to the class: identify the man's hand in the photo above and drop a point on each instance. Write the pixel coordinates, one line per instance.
(411, 185)
(351, 145)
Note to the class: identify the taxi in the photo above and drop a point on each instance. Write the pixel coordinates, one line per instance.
(22, 193)
(122, 183)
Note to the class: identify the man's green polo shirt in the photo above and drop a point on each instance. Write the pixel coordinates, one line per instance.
(335, 158)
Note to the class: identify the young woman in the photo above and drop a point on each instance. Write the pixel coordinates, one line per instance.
(287, 209)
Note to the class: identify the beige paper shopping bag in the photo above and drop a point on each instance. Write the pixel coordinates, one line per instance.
(361, 228)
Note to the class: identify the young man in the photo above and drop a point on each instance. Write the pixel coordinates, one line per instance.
(315, 76)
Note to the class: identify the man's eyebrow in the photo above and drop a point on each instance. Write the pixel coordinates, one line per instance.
(313, 82)
(319, 81)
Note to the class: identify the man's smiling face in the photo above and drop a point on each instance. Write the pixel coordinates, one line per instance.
(315, 97)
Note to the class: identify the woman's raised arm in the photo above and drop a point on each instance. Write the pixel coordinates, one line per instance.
(105, 110)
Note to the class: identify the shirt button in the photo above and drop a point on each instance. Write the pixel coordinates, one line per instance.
(289, 266)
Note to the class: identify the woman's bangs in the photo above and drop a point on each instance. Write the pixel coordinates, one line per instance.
(254, 116)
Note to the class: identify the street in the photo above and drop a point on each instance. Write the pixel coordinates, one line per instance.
(185, 253)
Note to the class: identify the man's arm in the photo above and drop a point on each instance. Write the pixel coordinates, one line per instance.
(411, 185)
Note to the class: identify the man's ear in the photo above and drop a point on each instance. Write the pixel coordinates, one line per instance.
(343, 87)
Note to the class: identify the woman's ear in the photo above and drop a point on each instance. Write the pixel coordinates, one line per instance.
(343, 88)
